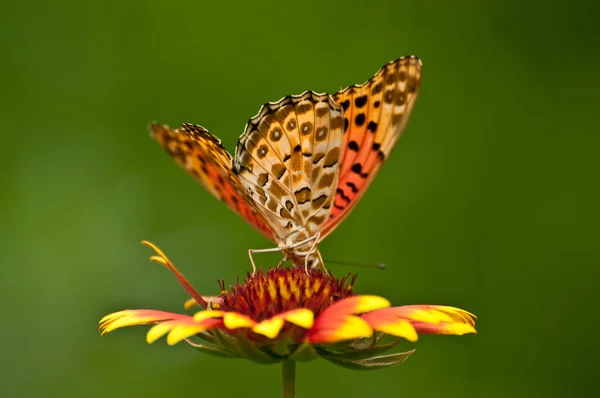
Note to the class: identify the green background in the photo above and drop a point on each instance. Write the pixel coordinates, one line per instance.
(488, 202)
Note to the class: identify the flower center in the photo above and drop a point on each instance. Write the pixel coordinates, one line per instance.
(262, 296)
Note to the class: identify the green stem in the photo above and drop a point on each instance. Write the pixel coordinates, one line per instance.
(288, 376)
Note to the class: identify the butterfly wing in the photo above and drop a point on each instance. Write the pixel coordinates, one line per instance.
(375, 115)
(205, 158)
(288, 158)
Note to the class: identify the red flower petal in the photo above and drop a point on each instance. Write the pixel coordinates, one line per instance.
(339, 322)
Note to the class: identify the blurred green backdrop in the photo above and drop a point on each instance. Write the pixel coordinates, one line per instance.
(488, 202)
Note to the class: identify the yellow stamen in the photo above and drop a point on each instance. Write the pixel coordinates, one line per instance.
(190, 303)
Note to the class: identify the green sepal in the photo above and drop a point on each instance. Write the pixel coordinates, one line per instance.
(225, 341)
(206, 336)
(362, 344)
(352, 345)
(213, 350)
(339, 347)
(249, 351)
(373, 363)
(304, 352)
(357, 355)
(282, 346)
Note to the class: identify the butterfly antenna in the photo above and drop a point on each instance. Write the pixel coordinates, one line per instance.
(378, 266)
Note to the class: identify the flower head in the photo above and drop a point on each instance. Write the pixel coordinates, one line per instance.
(288, 314)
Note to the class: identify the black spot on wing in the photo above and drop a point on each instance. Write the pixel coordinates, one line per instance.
(360, 101)
(372, 126)
(357, 169)
(346, 104)
(234, 199)
(342, 195)
(360, 119)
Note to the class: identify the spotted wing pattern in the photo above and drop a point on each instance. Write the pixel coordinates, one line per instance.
(375, 115)
(288, 158)
(205, 158)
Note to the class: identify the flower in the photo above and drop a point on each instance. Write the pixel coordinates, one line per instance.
(287, 314)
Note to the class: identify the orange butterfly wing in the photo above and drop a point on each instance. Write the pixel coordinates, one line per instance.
(205, 158)
(375, 115)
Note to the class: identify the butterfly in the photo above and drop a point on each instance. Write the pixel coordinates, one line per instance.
(303, 162)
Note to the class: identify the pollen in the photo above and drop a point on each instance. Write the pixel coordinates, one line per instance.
(264, 295)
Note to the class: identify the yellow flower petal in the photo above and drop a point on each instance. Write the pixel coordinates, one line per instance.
(137, 317)
(126, 321)
(401, 328)
(370, 303)
(202, 315)
(430, 316)
(458, 329)
(425, 319)
(302, 317)
(233, 320)
(180, 332)
(269, 328)
(352, 328)
(157, 331)
(113, 316)
(465, 316)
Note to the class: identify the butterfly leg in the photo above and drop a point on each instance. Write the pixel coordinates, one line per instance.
(322, 263)
(283, 260)
(252, 251)
(312, 250)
